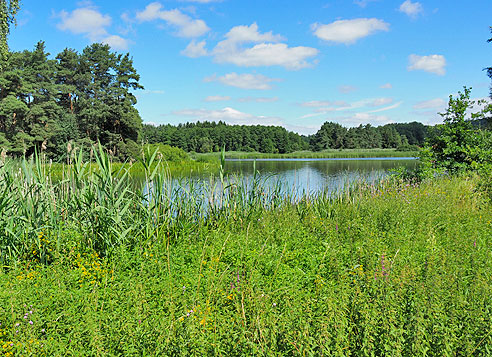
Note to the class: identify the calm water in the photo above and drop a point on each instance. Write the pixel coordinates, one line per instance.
(315, 175)
(293, 178)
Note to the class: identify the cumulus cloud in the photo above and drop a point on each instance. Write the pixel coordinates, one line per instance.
(348, 31)
(85, 21)
(186, 26)
(386, 86)
(92, 24)
(244, 81)
(412, 9)
(433, 64)
(245, 46)
(116, 42)
(437, 103)
(217, 98)
(230, 116)
(195, 49)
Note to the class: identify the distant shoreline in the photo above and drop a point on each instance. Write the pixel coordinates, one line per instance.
(325, 154)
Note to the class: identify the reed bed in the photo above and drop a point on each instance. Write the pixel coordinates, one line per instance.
(94, 265)
(325, 154)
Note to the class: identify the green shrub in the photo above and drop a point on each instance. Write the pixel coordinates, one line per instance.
(166, 152)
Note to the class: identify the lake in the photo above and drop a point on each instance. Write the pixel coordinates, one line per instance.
(303, 176)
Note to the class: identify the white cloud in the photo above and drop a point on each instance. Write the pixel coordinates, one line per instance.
(347, 89)
(348, 31)
(195, 49)
(187, 27)
(386, 86)
(412, 9)
(92, 24)
(433, 64)
(244, 81)
(230, 116)
(85, 21)
(437, 103)
(266, 50)
(217, 98)
(116, 42)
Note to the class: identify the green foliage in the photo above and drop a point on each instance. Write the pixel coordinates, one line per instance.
(8, 10)
(165, 152)
(456, 146)
(82, 99)
(335, 136)
(209, 137)
(386, 269)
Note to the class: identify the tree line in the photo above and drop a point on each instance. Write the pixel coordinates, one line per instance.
(212, 137)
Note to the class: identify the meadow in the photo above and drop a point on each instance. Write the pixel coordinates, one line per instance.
(92, 265)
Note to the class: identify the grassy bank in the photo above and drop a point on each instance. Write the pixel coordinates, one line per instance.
(346, 153)
(90, 268)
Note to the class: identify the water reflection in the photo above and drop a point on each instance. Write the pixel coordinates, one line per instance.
(302, 176)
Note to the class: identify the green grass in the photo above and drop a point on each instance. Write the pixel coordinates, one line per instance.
(386, 269)
(346, 153)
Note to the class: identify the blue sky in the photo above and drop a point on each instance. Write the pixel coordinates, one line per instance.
(271, 62)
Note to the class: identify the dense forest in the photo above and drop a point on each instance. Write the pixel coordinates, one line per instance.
(210, 136)
(72, 101)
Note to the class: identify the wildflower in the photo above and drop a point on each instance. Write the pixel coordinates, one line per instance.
(274, 304)
(17, 324)
(30, 322)
(43, 331)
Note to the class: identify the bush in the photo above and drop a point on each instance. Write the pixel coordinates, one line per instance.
(456, 146)
(166, 152)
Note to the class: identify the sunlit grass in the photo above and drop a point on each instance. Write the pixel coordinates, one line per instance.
(92, 265)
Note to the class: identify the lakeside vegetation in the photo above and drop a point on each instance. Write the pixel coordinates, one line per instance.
(94, 262)
(90, 266)
(306, 154)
